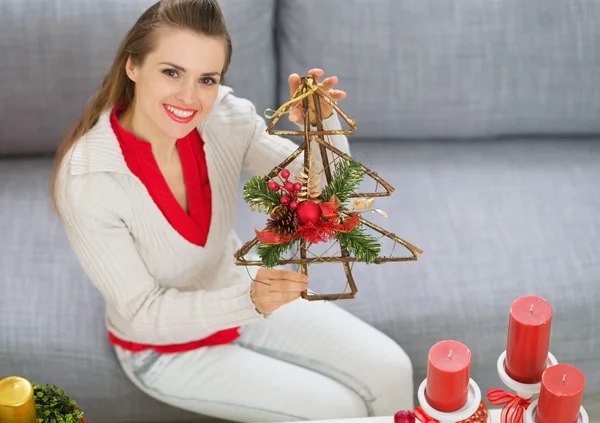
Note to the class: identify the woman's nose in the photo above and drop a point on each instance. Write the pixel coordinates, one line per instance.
(186, 94)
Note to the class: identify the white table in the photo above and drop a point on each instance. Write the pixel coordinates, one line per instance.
(494, 414)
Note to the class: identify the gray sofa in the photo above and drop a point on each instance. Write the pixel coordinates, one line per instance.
(484, 115)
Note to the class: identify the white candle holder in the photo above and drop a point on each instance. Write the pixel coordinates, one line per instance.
(470, 408)
(523, 390)
(531, 411)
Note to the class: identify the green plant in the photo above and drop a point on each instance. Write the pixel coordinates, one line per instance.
(53, 406)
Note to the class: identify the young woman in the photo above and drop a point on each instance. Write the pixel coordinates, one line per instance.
(146, 185)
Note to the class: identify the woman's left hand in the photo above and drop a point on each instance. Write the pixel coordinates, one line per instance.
(326, 87)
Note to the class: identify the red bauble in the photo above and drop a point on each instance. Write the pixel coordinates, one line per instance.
(308, 211)
(404, 417)
(273, 186)
(285, 200)
(285, 173)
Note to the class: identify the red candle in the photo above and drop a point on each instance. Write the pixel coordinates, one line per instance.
(561, 395)
(448, 373)
(528, 339)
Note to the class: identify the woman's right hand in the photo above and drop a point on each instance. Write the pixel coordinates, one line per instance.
(273, 288)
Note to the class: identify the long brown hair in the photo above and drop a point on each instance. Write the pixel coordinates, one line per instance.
(203, 17)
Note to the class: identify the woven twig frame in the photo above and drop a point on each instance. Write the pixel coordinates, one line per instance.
(317, 136)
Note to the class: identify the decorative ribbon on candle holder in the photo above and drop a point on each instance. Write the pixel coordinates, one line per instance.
(422, 416)
(530, 415)
(514, 406)
(516, 402)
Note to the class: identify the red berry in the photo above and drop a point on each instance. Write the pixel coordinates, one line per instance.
(285, 173)
(297, 186)
(404, 417)
(294, 205)
(285, 200)
(273, 186)
(288, 186)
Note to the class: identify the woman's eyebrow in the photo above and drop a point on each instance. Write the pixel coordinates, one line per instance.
(182, 69)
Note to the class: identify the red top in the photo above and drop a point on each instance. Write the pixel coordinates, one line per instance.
(193, 226)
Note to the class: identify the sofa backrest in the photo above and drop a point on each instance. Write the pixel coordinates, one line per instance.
(452, 68)
(54, 55)
(412, 68)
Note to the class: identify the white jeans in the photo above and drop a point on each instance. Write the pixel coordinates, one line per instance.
(306, 361)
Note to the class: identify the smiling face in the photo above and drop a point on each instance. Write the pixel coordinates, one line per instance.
(176, 85)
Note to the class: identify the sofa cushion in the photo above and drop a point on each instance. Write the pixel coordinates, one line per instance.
(496, 220)
(451, 68)
(55, 56)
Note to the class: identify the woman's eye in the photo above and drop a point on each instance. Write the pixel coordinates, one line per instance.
(208, 81)
(171, 73)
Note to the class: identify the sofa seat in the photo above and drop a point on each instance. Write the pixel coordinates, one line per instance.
(496, 220)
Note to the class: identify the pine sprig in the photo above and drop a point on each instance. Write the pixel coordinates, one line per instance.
(259, 196)
(349, 174)
(362, 246)
(270, 254)
(53, 406)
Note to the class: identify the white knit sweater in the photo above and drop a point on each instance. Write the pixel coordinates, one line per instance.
(158, 287)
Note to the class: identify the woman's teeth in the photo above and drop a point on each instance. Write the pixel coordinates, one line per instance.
(178, 113)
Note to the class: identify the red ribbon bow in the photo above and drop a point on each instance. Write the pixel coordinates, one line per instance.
(423, 417)
(514, 406)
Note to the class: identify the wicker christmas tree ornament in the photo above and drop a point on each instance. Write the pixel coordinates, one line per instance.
(318, 204)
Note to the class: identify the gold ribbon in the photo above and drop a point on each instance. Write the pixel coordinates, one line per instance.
(295, 98)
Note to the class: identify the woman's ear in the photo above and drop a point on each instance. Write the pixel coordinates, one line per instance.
(131, 69)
